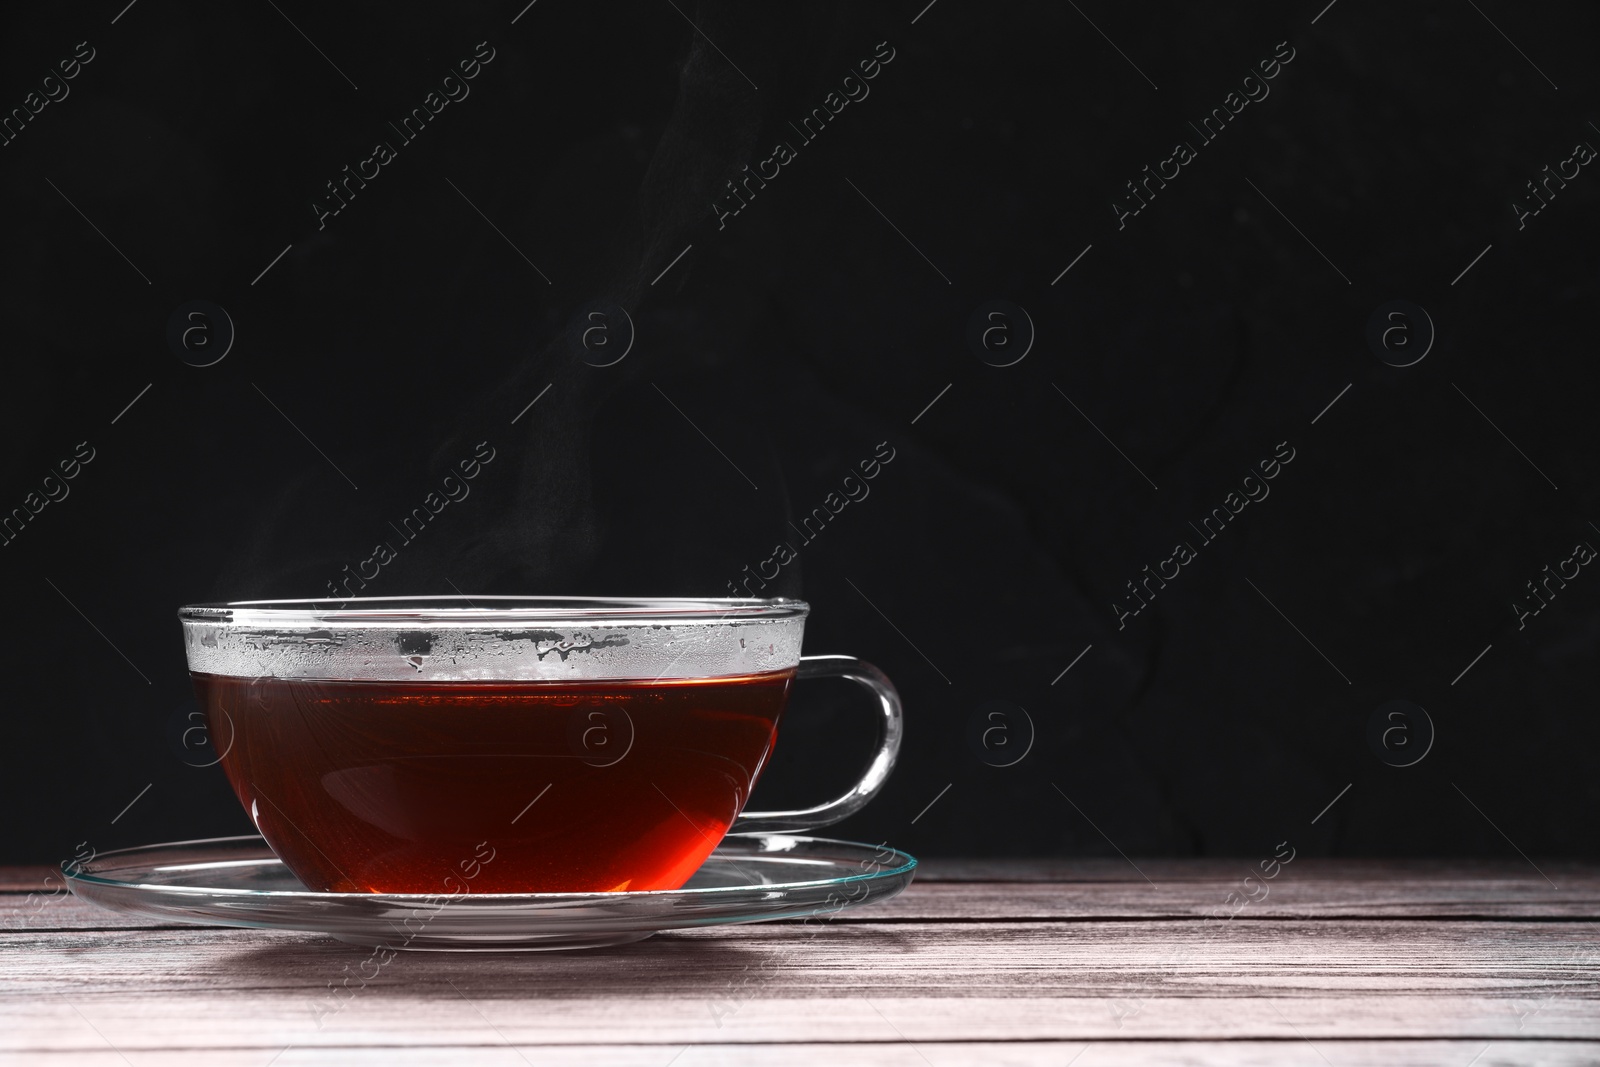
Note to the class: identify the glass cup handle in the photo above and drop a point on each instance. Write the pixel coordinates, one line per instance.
(875, 682)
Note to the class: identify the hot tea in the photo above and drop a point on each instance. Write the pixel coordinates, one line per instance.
(443, 745)
(516, 786)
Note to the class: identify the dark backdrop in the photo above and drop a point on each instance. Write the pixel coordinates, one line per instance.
(843, 310)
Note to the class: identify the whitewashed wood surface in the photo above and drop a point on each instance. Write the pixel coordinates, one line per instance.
(1025, 962)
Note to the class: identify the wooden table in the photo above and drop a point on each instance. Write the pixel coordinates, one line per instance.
(1006, 962)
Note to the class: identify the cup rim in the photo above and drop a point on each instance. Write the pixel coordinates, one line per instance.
(456, 609)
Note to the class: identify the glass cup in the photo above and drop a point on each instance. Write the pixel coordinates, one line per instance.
(509, 744)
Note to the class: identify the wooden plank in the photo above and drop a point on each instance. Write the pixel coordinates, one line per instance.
(65, 912)
(1568, 875)
(1211, 869)
(1510, 893)
(1036, 902)
(1335, 956)
(1287, 896)
(93, 1024)
(1178, 871)
(830, 982)
(1292, 1053)
(28, 879)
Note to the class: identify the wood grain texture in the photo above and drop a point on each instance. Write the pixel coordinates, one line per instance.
(28, 879)
(1416, 891)
(1346, 964)
(885, 1054)
(1139, 868)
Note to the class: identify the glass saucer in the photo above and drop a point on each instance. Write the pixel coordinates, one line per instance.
(237, 881)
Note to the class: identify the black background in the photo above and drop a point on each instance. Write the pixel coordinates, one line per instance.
(818, 322)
